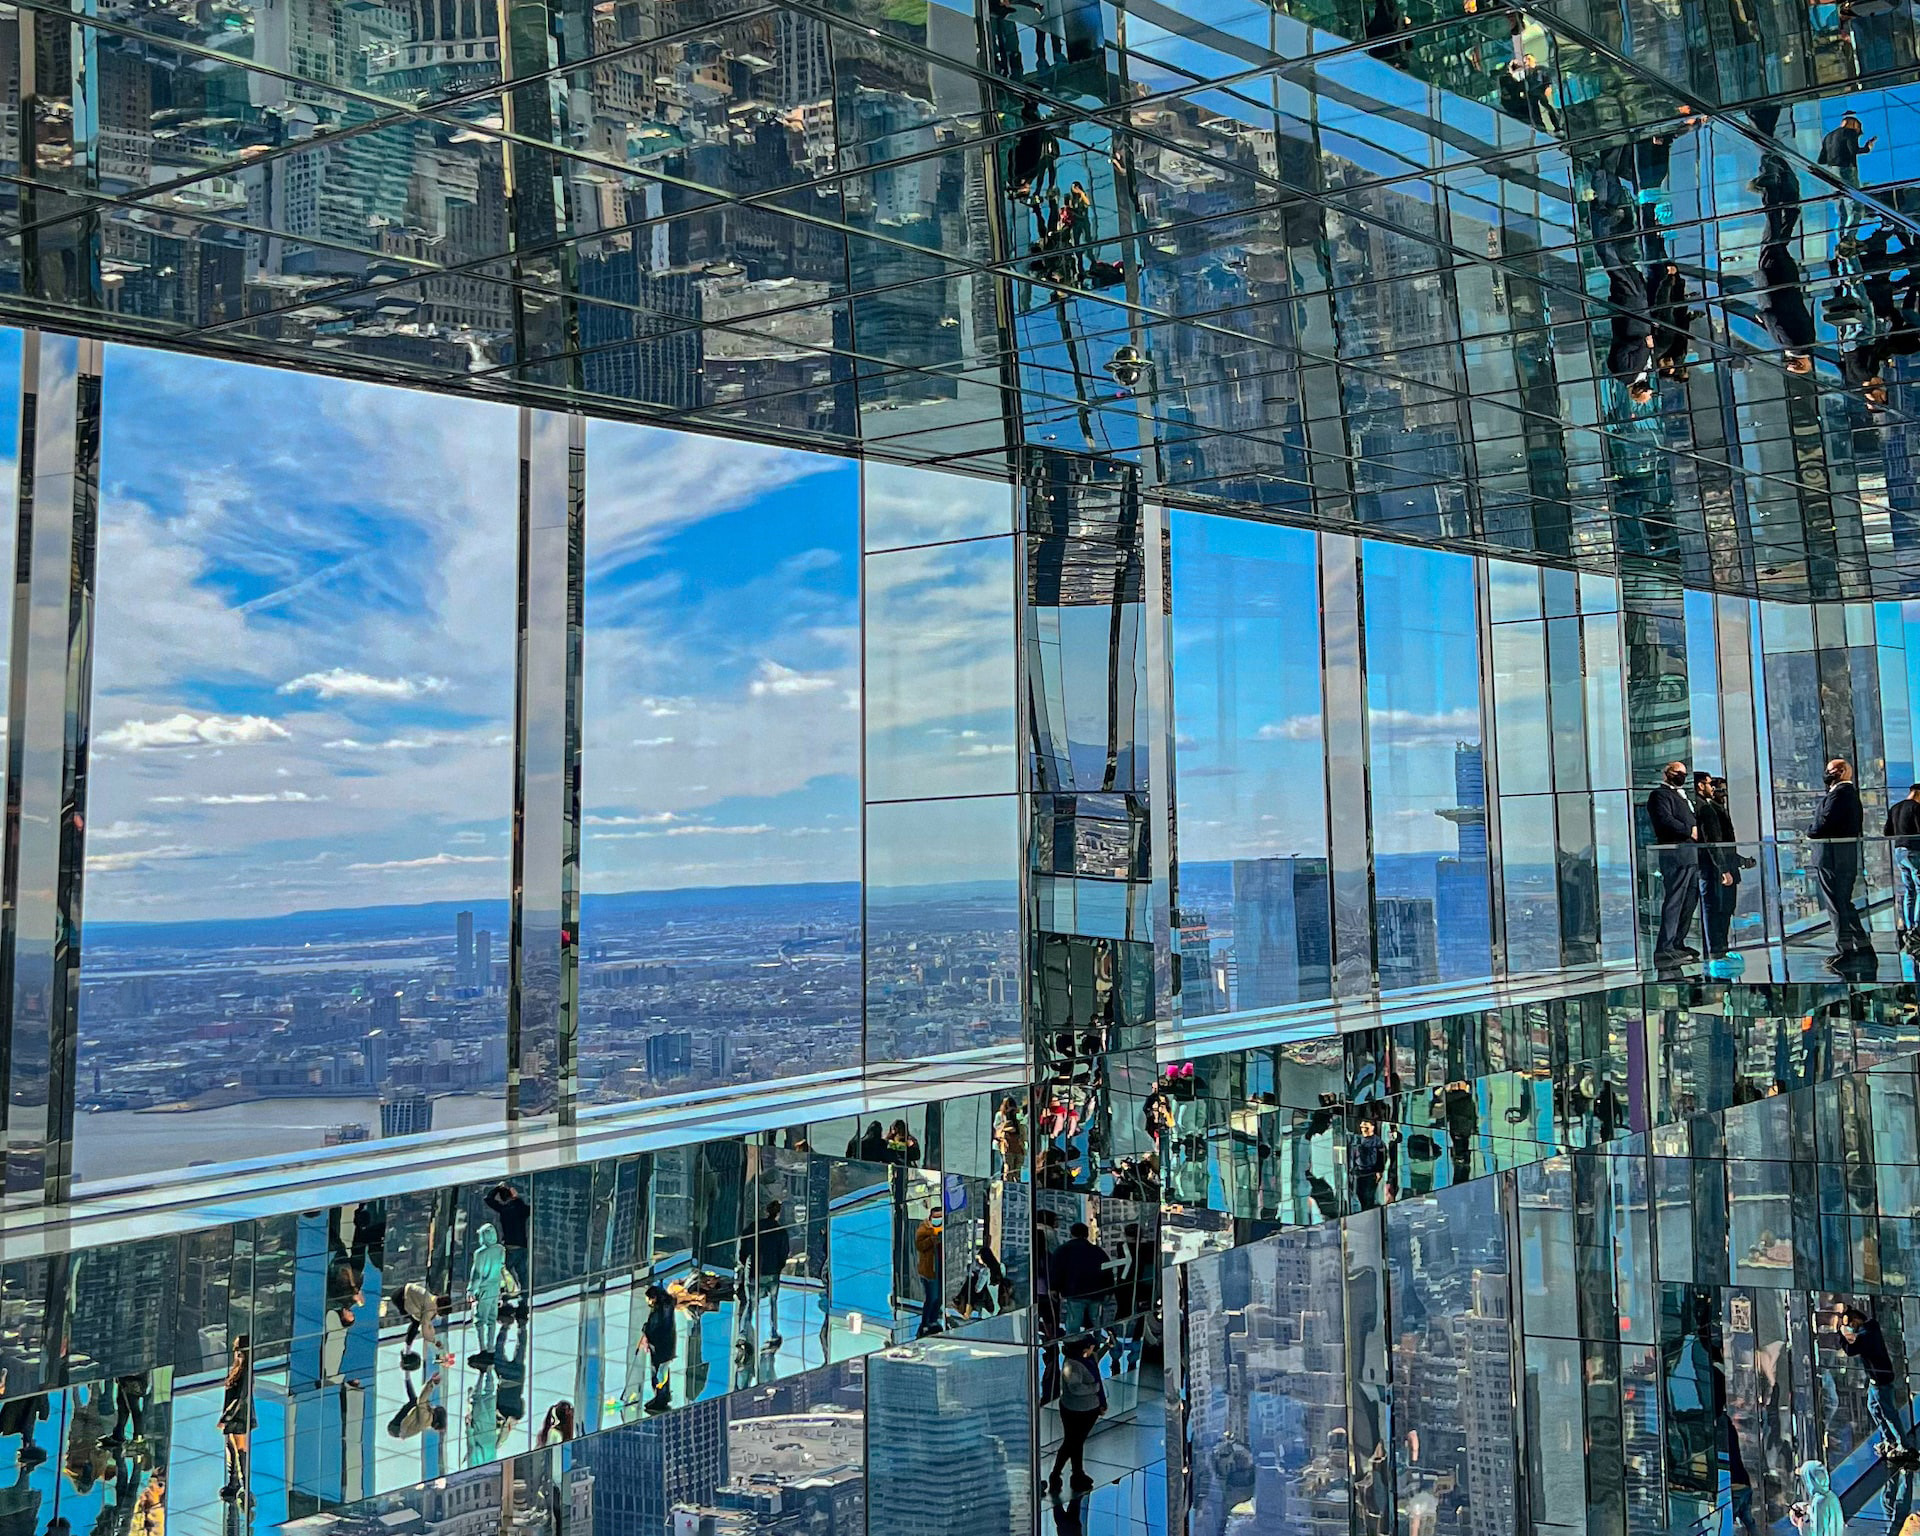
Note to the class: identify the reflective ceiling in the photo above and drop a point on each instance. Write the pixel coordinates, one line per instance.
(1615, 282)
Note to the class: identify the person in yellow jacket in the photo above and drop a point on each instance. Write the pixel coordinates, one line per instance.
(927, 1240)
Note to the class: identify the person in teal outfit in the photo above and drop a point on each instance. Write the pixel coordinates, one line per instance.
(1818, 1513)
(483, 1285)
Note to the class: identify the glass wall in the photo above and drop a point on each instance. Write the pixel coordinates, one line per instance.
(1250, 765)
(301, 778)
(720, 790)
(1430, 864)
(943, 816)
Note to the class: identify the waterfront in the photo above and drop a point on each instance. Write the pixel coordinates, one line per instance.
(118, 1142)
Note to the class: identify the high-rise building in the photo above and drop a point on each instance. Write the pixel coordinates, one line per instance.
(1199, 991)
(405, 1112)
(1282, 931)
(463, 949)
(483, 960)
(645, 1471)
(669, 1057)
(1406, 953)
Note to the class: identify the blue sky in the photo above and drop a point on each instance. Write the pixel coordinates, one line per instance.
(304, 672)
(1247, 681)
(722, 663)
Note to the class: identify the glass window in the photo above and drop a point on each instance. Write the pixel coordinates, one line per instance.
(1703, 682)
(1250, 772)
(943, 925)
(302, 765)
(907, 506)
(1520, 708)
(1529, 874)
(720, 792)
(1429, 785)
(940, 672)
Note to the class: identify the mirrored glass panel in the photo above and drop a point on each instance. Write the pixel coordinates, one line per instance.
(1426, 767)
(943, 926)
(720, 836)
(1250, 767)
(940, 670)
(302, 760)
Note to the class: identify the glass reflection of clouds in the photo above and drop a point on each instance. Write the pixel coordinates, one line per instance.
(302, 755)
(720, 786)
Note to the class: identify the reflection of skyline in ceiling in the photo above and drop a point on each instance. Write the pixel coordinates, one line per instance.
(1369, 291)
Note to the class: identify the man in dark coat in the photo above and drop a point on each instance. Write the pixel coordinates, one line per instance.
(1836, 862)
(1676, 833)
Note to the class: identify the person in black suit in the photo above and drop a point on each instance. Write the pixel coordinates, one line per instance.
(1677, 834)
(1836, 862)
(1720, 862)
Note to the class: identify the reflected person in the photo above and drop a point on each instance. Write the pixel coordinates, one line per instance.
(1836, 863)
(423, 1308)
(483, 1418)
(237, 1418)
(659, 1337)
(1782, 301)
(1676, 833)
(1862, 1340)
(484, 1278)
(1083, 1398)
(1903, 826)
(928, 1238)
(1078, 1272)
(1720, 863)
(767, 1259)
(1840, 152)
(515, 1217)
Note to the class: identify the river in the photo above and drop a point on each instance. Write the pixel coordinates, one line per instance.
(117, 1142)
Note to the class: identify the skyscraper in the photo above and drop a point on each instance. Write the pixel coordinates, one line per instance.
(463, 950)
(1282, 931)
(943, 1430)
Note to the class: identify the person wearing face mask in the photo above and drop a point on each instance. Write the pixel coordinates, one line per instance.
(1835, 834)
(1677, 834)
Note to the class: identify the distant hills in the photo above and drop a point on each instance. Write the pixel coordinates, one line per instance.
(821, 899)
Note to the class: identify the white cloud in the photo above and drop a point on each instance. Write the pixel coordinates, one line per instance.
(136, 858)
(119, 831)
(270, 797)
(784, 682)
(1406, 722)
(433, 861)
(652, 819)
(342, 683)
(416, 743)
(758, 830)
(1405, 727)
(186, 730)
(653, 741)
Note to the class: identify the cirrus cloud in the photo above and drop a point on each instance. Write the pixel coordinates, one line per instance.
(272, 797)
